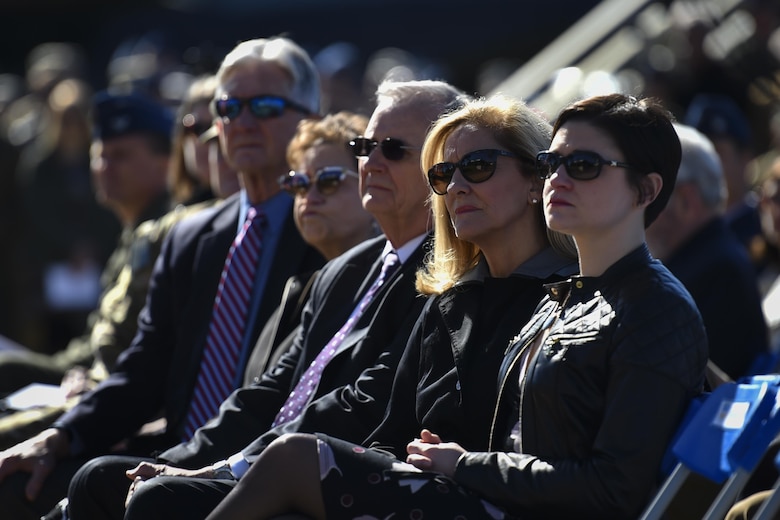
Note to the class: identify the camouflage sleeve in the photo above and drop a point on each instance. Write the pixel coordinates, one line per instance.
(119, 308)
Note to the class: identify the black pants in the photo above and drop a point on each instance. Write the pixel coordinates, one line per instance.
(99, 489)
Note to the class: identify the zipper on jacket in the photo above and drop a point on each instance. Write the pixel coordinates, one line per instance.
(549, 321)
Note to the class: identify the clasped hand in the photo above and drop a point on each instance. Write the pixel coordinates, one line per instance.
(429, 453)
(146, 470)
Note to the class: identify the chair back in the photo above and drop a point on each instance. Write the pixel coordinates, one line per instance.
(721, 438)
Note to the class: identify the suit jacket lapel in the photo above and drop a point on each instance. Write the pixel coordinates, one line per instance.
(386, 296)
(213, 247)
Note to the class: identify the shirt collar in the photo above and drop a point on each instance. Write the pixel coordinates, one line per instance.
(541, 266)
(405, 251)
(275, 209)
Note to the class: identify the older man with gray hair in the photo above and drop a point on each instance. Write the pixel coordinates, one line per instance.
(219, 277)
(693, 240)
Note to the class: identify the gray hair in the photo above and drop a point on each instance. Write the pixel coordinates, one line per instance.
(431, 97)
(701, 165)
(287, 55)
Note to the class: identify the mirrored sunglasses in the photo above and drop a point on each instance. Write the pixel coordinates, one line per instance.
(326, 179)
(580, 165)
(477, 166)
(393, 149)
(262, 107)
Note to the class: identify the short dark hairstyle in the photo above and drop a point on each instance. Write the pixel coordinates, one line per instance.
(643, 131)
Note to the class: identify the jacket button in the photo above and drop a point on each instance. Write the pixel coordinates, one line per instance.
(578, 284)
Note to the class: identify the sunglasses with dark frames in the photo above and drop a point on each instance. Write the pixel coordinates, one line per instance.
(477, 166)
(580, 165)
(393, 149)
(326, 179)
(262, 107)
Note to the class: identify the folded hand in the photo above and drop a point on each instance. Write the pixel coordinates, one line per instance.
(146, 470)
(429, 453)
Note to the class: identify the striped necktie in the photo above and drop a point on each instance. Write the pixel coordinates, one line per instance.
(222, 352)
(303, 391)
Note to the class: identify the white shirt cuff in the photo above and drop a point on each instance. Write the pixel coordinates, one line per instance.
(238, 465)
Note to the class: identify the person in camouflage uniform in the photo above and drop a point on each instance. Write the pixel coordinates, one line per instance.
(113, 324)
(123, 124)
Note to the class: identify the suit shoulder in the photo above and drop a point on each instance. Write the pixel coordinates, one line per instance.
(194, 222)
(366, 251)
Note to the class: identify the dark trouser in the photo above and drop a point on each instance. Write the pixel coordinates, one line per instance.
(13, 503)
(99, 489)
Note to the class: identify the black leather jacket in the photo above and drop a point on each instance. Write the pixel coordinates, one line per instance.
(600, 400)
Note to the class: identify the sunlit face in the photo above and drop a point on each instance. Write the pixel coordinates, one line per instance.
(394, 187)
(257, 146)
(592, 207)
(481, 212)
(335, 222)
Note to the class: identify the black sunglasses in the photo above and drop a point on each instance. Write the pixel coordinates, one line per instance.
(393, 149)
(327, 179)
(580, 165)
(262, 107)
(477, 166)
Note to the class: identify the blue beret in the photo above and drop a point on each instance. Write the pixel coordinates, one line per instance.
(716, 115)
(118, 115)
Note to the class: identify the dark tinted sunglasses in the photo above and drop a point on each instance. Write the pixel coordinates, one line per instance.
(262, 107)
(393, 149)
(327, 179)
(581, 166)
(476, 167)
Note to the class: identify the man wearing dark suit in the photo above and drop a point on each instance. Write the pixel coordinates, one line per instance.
(265, 87)
(351, 395)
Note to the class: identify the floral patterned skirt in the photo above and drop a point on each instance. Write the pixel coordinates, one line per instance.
(364, 484)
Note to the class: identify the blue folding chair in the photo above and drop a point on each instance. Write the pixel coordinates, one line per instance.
(765, 363)
(723, 440)
(747, 450)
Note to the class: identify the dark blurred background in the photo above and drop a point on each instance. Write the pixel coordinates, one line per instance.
(457, 37)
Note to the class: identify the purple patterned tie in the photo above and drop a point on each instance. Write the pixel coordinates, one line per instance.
(228, 320)
(300, 396)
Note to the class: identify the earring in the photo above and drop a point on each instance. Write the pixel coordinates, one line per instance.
(534, 201)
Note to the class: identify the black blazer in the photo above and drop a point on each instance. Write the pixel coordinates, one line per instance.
(157, 373)
(355, 385)
(277, 336)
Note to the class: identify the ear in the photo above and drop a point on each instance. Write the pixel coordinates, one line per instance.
(651, 185)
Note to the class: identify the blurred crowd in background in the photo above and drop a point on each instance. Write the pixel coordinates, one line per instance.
(57, 237)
